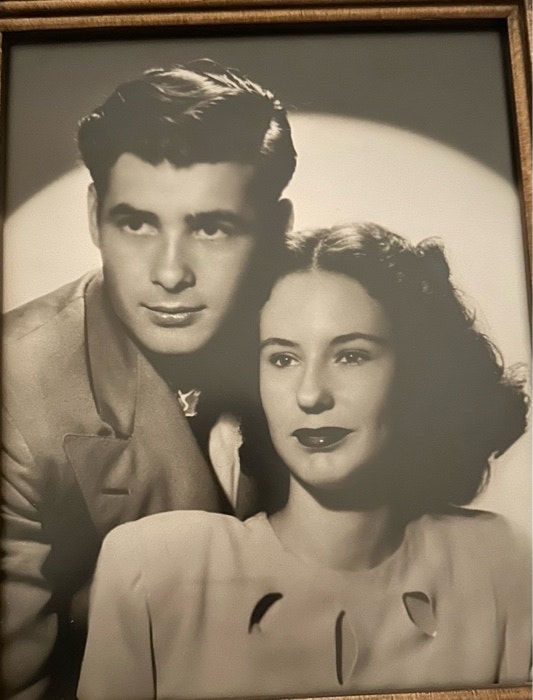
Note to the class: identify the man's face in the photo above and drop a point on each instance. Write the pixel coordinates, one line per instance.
(175, 245)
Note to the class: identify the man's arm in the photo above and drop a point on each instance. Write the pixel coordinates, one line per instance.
(29, 625)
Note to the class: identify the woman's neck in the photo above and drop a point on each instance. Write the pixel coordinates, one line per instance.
(341, 539)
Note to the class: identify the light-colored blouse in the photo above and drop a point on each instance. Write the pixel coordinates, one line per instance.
(197, 605)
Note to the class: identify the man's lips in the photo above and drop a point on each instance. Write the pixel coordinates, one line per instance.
(320, 438)
(173, 316)
(176, 309)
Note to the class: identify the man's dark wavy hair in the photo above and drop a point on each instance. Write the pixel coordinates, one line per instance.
(198, 114)
(454, 407)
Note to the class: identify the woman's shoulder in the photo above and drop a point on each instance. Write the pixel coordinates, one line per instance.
(471, 522)
(193, 534)
(175, 525)
(187, 550)
(476, 537)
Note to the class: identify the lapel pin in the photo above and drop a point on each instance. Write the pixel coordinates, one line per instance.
(188, 401)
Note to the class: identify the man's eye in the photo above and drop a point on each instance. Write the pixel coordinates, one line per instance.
(352, 357)
(282, 359)
(135, 225)
(213, 230)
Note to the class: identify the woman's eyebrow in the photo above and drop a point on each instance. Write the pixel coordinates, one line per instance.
(348, 337)
(277, 341)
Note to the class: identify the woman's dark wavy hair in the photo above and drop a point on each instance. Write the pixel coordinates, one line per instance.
(454, 407)
(202, 113)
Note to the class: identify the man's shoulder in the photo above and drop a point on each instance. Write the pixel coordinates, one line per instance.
(44, 356)
(63, 305)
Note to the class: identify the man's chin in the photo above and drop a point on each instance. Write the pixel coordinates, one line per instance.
(175, 342)
(174, 349)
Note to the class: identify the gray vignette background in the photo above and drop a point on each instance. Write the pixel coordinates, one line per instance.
(446, 85)
(409, 129)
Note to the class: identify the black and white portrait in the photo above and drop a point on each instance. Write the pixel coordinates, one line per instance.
(265, 367)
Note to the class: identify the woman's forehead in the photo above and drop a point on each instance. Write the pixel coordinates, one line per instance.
(319, 303)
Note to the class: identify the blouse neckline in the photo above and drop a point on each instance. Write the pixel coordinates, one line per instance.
(385, 568)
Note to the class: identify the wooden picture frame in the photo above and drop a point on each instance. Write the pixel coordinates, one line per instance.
(23, 21)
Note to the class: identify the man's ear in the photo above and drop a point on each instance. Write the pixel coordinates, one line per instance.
(92, 210)
(285, 215)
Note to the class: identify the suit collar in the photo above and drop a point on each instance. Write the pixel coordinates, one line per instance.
(152, 462)
(113, 361)
(158, 468)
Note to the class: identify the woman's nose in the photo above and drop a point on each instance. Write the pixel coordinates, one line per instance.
(171, 267)
(313, 394)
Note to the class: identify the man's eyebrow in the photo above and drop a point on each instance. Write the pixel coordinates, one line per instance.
(277, 341)
(223, 215)
(124, 209)
(348, 337)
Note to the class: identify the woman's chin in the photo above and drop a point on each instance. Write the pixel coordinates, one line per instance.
(364, 488)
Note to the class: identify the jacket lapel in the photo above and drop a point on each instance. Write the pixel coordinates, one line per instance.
(113, 361)
(144, 459)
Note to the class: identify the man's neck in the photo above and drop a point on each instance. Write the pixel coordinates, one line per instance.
(184, 372)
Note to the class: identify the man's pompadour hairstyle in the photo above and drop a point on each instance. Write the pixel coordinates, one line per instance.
(202, 113)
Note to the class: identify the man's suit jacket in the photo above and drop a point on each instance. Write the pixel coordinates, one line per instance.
(93, 437)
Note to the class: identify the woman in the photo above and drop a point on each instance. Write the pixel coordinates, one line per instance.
(385, 405)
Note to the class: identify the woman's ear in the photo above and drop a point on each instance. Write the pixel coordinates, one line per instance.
(92, 210)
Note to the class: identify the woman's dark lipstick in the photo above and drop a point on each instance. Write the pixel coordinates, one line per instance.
(320, 438)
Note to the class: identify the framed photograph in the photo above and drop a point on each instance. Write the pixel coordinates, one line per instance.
(415, 116)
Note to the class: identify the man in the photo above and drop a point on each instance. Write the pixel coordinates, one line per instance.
(119, 389)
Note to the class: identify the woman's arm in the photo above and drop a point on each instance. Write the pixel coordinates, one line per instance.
(118, 661)
(514, 589)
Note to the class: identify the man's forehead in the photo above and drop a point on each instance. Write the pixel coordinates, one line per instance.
(225, 184)
(135, 165)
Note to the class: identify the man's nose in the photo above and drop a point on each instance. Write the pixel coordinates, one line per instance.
(171, 267)
(314, 395)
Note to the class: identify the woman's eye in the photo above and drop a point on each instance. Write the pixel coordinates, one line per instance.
(282, 360)
(353, 357)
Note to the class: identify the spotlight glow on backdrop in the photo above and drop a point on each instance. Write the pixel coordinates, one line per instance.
(348, 170)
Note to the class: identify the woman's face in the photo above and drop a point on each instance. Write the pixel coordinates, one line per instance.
(326, 373)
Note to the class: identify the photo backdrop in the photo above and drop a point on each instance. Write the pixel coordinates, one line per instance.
(407, 129)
